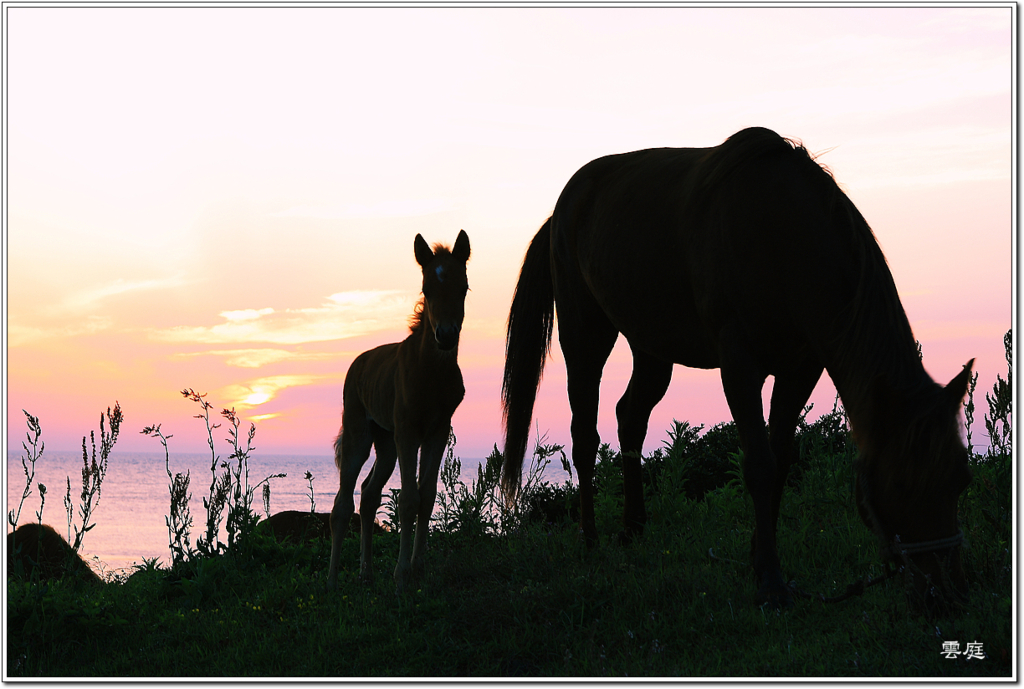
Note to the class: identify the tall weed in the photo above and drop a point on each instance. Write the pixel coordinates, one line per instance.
(241, 518)
(94, 471)
(481, 507)
(1000, 405)
(31, 456)
(179, 521)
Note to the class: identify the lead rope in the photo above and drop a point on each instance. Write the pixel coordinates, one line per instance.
(855, 589)
(901, 550)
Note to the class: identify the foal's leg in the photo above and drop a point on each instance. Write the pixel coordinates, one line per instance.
(430, 462)
(647, 386)
(350, 452)
(742, 381)
(369, 502)
(408, 504)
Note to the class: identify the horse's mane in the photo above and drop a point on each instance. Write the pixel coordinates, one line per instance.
(868, 322)
(870, 331)
(418, 317)
(930, 436)
(736, 152)
(744, 147)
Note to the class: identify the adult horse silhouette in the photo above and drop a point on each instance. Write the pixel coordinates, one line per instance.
(400, 398)
(745, 257)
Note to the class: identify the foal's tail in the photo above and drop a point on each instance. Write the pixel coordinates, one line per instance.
(530, 324)
(337, 450)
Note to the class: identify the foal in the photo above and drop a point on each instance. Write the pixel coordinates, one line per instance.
(400, 398)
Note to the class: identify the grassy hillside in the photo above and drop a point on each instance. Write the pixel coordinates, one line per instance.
(516, 593)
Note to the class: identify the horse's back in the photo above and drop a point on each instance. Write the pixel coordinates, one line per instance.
(674, 244)
(389, 377)
(369, 390)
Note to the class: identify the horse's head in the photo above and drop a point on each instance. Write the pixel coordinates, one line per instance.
(444, 287)
(910, 476)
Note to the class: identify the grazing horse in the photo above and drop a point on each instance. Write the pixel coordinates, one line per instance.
(400, 398)
(746, 257)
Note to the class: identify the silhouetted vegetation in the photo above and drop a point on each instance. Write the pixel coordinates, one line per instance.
(511, 589)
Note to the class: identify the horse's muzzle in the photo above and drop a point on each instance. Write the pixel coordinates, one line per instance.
(447, 336)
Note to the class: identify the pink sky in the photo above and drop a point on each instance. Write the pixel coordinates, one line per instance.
(226, 199)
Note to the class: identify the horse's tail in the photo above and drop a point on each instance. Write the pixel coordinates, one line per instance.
(337, 450)
(531, 322)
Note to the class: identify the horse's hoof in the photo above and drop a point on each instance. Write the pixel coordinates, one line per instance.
(628, 536)
(416, 573)
(774, 592)
(630, 532)
(402, 579)
(775, 599)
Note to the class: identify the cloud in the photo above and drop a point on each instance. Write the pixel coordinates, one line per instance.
(72, 312)
(927, 156)
(933, 329)
(346, 314)
(245, 314)
(243, 396)
(407, 208)
(255, 358)
(90, 297)
(20, 335)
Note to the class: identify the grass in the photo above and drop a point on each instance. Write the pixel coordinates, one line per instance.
(534, 602)
(520, 595)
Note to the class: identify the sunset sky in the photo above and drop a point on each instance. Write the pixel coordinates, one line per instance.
(226, 198)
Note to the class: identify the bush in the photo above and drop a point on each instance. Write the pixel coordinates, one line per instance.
(702, 462)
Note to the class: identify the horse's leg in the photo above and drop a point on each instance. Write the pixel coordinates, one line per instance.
(430, 463)
(585, 346)
(408, 503)
(369, 501)
(351, 450)
(742, 381)
(789, 395)
(647, 385)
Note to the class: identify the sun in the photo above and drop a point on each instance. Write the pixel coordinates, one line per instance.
(256, 398)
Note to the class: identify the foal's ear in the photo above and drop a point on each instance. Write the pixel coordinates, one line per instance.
(461, 250)
(957, 388)
(423, 253)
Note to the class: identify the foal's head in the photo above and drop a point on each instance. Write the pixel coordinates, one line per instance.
(911, 476)
(444, 287)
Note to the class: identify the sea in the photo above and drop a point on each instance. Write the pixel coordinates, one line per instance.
(134, 501)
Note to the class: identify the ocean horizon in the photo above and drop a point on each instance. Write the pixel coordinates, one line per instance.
(130, 515)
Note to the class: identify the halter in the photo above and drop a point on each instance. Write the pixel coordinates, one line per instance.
(927, 546)
(896, 547)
